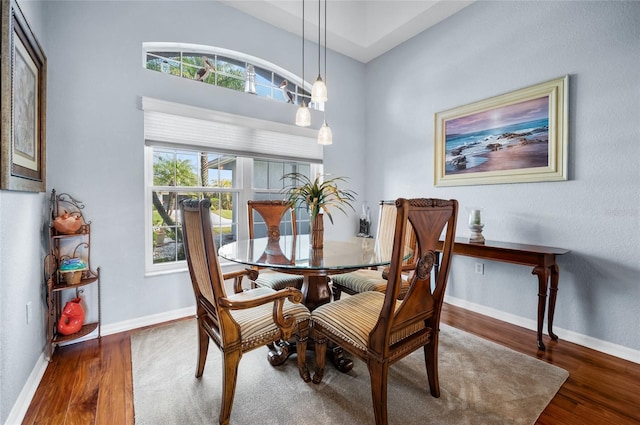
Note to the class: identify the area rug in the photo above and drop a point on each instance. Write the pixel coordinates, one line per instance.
(480, 383)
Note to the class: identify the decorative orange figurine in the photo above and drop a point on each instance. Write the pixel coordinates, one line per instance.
(72, 317)
(67, 223)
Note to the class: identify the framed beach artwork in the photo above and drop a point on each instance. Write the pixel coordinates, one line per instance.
(23, 104)
(521, 136)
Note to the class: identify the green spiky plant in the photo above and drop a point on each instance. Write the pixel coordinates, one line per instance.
(318, 195)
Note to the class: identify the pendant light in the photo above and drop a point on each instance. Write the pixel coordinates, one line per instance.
(319, 89)
(325, 136)
(303, 115)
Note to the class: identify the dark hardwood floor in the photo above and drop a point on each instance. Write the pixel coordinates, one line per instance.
(91, 383)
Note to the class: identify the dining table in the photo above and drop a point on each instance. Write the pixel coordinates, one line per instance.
(295, 255)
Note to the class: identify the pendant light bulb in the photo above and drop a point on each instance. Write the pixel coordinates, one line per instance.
(303, 115)
(319, 91)
(325, 137)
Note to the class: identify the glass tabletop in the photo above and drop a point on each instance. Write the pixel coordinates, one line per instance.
(287, 252)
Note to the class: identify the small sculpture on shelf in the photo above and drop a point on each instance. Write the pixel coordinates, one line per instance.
(71, 269)
(71, 318)
(476, 225)
(365, 222)
(66, 214)
(68, 224)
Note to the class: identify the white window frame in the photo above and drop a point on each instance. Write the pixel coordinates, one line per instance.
(151, 47)
(243, 181)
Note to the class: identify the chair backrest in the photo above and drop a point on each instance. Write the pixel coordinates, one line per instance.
(204, 266)
(387, 228)
(421, 305)
(272, 212)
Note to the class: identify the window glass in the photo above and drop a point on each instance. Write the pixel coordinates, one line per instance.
(224, 70)
(179, 173)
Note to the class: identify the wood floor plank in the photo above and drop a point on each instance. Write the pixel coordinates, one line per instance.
(51, 401)
(115, 403)
(84, 394)
(601, 389)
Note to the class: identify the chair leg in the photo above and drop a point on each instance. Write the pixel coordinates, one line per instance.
(337, 292)
(231, 360)
(431, 361)
(301, 350)
(203, 349)
(378, 373)
(321, 352)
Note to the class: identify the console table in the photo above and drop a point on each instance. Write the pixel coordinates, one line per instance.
(541, 258)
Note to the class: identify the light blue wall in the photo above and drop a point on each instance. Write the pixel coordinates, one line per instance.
(492, 48)
(21, 254)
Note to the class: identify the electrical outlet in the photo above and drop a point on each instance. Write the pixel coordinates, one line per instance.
(29, 312)
(479, 268)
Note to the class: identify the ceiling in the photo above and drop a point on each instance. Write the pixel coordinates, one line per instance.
(360, 29)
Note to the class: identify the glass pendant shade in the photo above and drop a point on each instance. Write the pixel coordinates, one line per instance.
(325, 137)
(319, 91)
(303, 116)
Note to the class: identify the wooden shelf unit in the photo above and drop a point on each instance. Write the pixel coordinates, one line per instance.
(61, 247)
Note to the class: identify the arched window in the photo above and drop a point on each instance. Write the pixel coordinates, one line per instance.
(229, 69)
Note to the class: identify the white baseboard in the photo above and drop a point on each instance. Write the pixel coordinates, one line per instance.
(152, 319)
(21, 405)
(563, 334)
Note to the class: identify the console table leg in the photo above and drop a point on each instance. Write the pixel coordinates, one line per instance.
(543, 279)
(553, 292)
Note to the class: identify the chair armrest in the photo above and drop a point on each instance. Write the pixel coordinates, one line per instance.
(259, 296)
(237, 278)
(405, 268)
(256, 297)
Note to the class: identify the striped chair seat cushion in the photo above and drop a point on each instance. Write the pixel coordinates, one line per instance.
(366, 280)
(257, 326)
(276, 280)
(351, 319)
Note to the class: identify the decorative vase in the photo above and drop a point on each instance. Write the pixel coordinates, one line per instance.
(71, 318)
(316, 231)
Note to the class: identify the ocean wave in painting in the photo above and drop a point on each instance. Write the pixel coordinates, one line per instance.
(466, 151)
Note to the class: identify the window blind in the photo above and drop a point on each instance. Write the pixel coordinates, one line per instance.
(168, 123)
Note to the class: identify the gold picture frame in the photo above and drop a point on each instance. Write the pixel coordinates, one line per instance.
(23, 104)
(521, 136)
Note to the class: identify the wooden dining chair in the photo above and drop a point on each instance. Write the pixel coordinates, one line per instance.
(380, 329)
(272, 214)
(240, 322)
(375, 279)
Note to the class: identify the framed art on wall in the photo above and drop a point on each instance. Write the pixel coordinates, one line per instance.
(521, 136)
(23, 104)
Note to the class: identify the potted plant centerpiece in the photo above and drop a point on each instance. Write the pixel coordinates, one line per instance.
(318, 195)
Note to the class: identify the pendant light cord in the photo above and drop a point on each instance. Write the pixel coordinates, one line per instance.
(325, 42)
(302, 94)
(319, 46)
(324, 110)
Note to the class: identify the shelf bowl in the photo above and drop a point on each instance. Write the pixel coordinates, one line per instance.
(68, 224)
(72, 277)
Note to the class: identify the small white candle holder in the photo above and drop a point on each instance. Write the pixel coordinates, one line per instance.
(476, 225)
